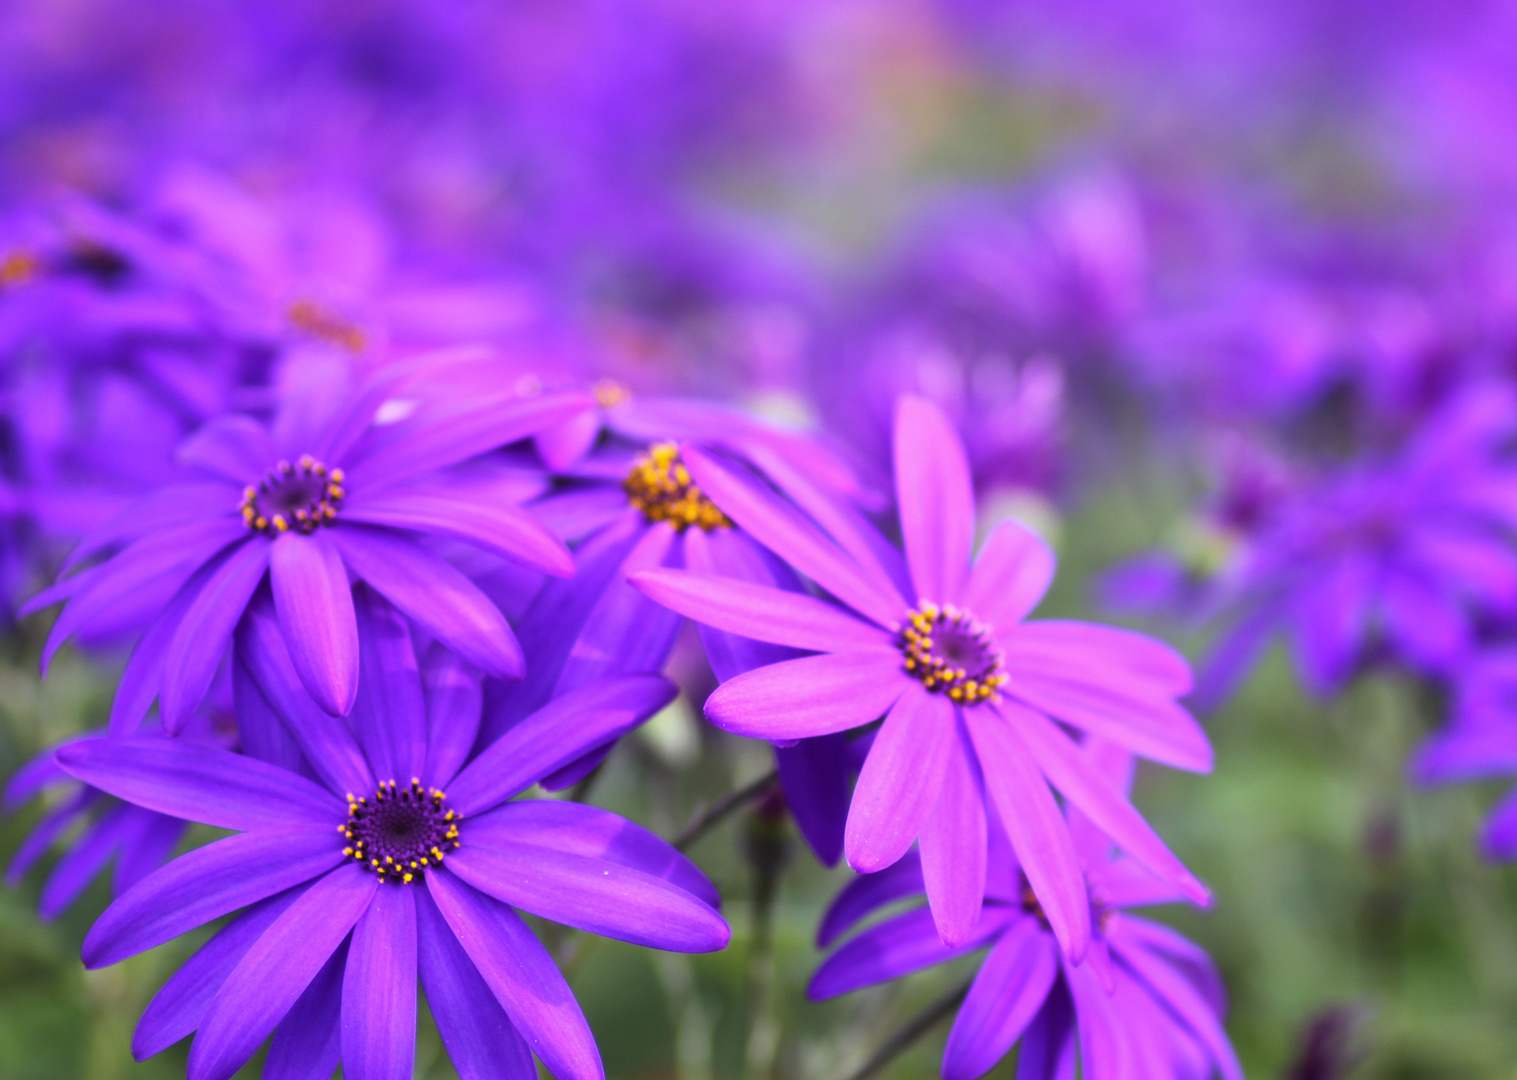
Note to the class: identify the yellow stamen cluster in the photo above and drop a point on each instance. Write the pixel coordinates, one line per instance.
(18, 267)
(951, 653)
(659, 485)
(427, 850)
(306, 494)
(327, 325)
(609, 392)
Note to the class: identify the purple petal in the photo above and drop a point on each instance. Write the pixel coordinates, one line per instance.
(575, 514)
(477, 1032)
(307, 1044)
(1329, 622)
(521, 975)
(261, 733)
(1103, 1049)
(761, 612)
(315, 605)
(83, 861)
(206, 884)
(1498, 837)
(1231, 658)
(237, 447)
(1156, 728)
(815, 695)
(1187, 1003)
(436, 596)
(1048, 1047)
(169, 507)
(48, 828)
(1032, 821)
(277, 969)
(454, 698)
(814, 774)
(953, 844)
(1083, 785)
(866, 894)
(555, 735)
(389, 714)
(1466, 751)
(595, 834)
(1013, 571)
(199, 783)
(1072, 650)
(1012, 984)
(201, 638)
(901, 780)
(40, 772)
(379, 990)
(145, 848)
(143, 677)
(896, 947)
(326, 741)
(561, 445)
(1425, 623)
(935, 497)
(785, 532)
(496, 527)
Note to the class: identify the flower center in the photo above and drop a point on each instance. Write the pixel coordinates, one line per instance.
(659, 485)
(951, 653)
(325, 324)
(300, 497)
(400, 832)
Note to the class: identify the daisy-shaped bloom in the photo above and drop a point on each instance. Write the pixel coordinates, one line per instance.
(1147, 1003)
(1480, 740)
(976, 699)
(402, 859)
(331, 489)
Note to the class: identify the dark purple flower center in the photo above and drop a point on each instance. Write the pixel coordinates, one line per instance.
(299, 496)
(950, 652)
(401, 831)
(660, 486)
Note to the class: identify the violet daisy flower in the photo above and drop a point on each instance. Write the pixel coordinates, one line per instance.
(326, 492)
(402, 858)
(1147, 1002)
(974, 697)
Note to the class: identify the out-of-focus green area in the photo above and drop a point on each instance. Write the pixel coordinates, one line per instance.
(1337, 885)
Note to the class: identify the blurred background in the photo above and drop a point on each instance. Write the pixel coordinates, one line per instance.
(1166, 265)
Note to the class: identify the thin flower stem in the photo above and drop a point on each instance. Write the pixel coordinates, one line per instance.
(915, 1028)
(708, 820)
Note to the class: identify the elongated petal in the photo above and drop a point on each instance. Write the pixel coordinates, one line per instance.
(51, 826)
(555, 735)
(1329, 619)
(496, 527)
(389, 715)
(454, 698)
(1082, 784)
(898, 946)
(1032, 821)
(1424, 622)
(1156, 728)
(901, 780)
(201, 638)
(143, 677)
(198, 783)
(164, 509)
(595, 834)
(434, 594)
(326, 741)
(936, 499)
(1013, 571)
(206, 884)
(1009, 990)
(1048, 1047)
(1103, 1047)
(761, 612)
(814, 774)
(83, 861)
(261, 732)
(522, 976)
(954, 845)
(814, 695)
(1068, 649)
(315, 605)
(180, 1005)
(276, 971)
(379, 990)
(866, 894)
(1188, 1003)
(237, 447)
(307, 1044)
(595, 895)
(785, 532)
(479, 1036)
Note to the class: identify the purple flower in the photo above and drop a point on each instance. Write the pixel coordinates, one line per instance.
(975, 696)
(1147, 1002)
(377, 851)
(334, 487)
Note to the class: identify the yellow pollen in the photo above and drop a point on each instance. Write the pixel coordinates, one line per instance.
(660, 486)
(18, 267)
(325, 324)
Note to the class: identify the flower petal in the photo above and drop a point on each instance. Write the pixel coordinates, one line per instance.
(896, 947)
(1072, 650)
(814, 774)
(866, 894)
(522, 976)
(198, 783)
(206, 884)
(555, 735)
(315, 605)
(1329, 620)
(435, 595)
(1156, 728)
(83, 861)
(936, 499)
(496, 527)
(237, 447)
(277, 969)
(454, 699)
(1036, 829)
(954, 845)
(1186, 1002)
(389, 714)
(1008, 991)
(379, 990)
(1013, 571)
(1048, 1047)
(900, 781)
(814, 695)
(261, 733)
(307, 1044)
